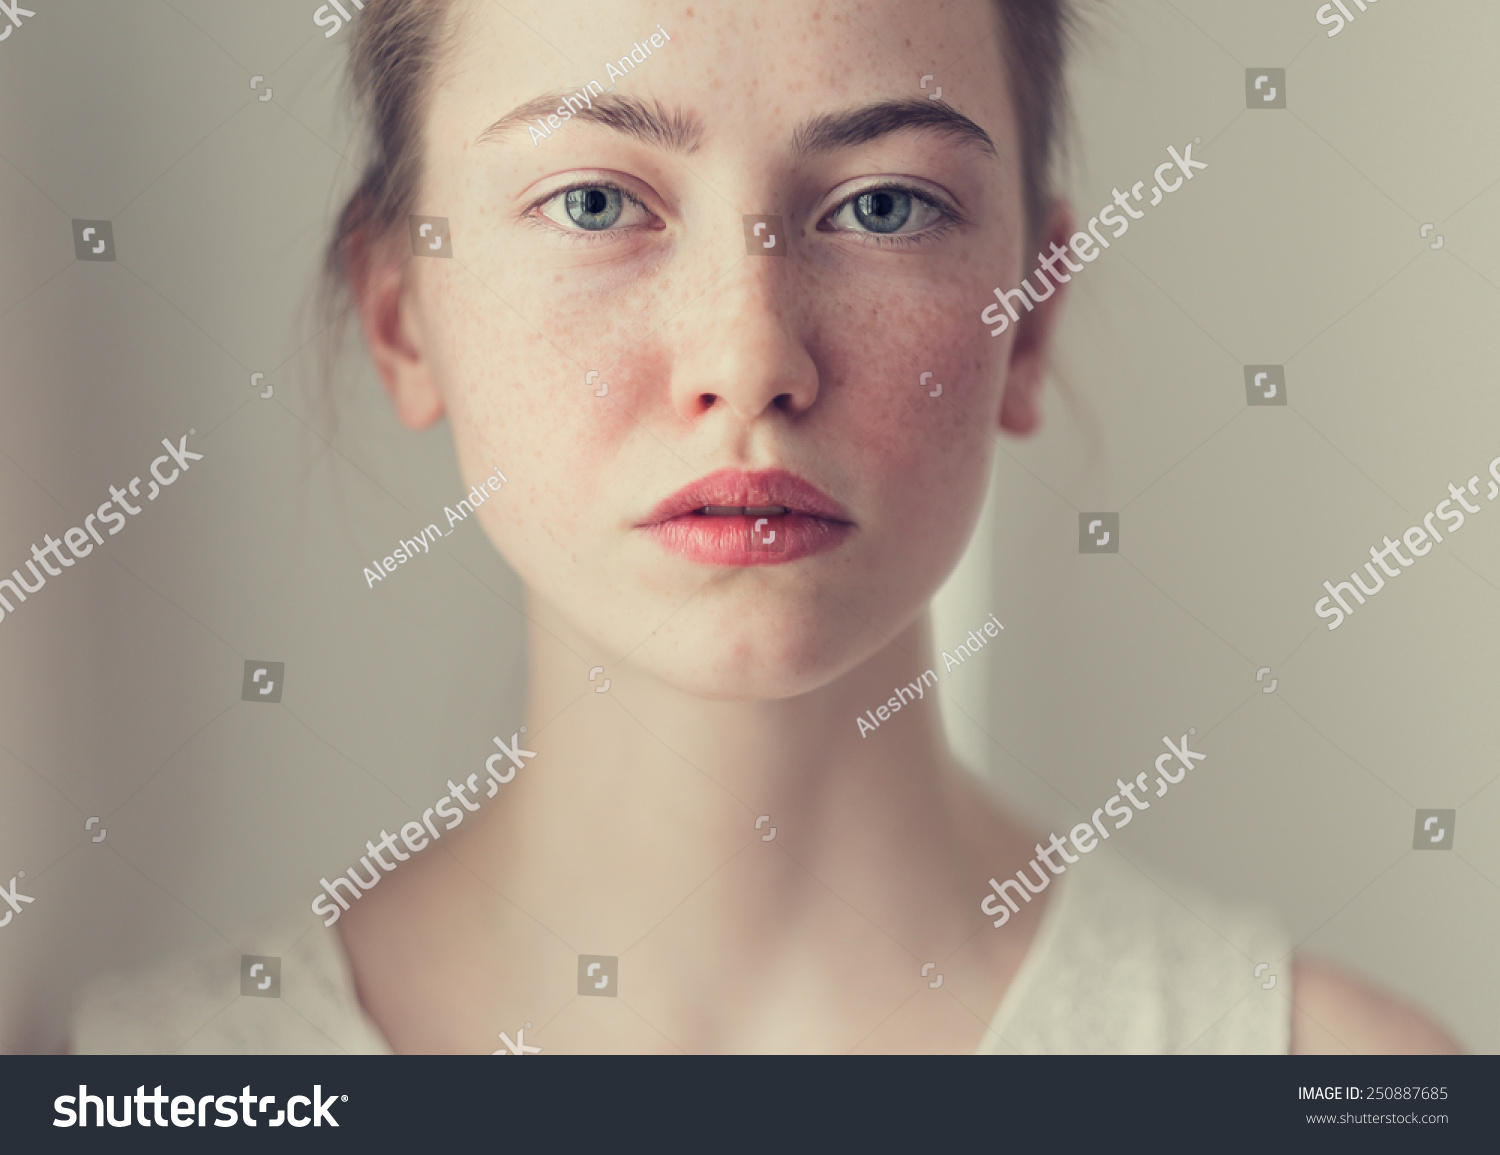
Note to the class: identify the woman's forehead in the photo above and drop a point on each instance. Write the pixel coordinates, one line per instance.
(739, 74)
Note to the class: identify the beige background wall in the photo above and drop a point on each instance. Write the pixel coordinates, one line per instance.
(1300, 245)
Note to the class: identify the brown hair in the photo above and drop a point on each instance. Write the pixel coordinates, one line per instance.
(397, 43)
(1038, 34)
(394, 52)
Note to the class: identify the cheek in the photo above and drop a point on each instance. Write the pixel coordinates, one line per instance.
(919, 463)
(873, 349)
(555, 423)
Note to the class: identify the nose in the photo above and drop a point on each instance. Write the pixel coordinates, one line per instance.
(741, 350)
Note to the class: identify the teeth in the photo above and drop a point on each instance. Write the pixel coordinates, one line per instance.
(743, 510)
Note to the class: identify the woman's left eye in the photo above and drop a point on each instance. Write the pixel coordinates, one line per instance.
(886, 211)
(594, 208)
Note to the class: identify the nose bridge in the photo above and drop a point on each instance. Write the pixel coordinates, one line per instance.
(741, 345)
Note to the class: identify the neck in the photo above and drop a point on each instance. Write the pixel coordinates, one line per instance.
(646, 789)
(633, 833)
(805, 760)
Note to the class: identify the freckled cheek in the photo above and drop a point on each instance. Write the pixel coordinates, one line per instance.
(515, 401)
(907, 442)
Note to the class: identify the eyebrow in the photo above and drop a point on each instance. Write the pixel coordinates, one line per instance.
(675, 131)
(678, 131)
(834, 130)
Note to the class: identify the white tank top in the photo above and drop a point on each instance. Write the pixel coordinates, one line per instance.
(1124, 966)
(1119, 966)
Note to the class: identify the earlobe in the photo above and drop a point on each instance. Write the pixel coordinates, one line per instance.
(1020, 406)
(418, 404)
(1020, 412)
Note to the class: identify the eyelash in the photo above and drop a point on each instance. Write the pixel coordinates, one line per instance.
(948, 223)
(595, 236)
(580, 235)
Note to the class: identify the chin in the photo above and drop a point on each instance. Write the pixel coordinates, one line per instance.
(741, 683)
(758, 655)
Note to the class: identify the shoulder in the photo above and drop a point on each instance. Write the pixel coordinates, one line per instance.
(298, 1001)
(1333, 1012)
(437, 952)
(1128, 963)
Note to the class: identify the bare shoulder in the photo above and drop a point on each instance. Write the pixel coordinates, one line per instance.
(1335, 1013)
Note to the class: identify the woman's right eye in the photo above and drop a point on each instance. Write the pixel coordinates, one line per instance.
(595, 208)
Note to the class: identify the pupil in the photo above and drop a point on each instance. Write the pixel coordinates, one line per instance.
(883, 210)
(595, 208)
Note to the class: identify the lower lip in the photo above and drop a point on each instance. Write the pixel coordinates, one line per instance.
(727, 541)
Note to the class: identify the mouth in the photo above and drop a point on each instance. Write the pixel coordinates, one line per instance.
(736, 518)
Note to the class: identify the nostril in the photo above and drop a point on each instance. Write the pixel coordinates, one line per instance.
(707, 400)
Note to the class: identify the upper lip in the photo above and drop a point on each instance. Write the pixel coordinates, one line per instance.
(736, 487)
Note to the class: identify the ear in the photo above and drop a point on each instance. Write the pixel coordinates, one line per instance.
(1031, 351)
(381, 279)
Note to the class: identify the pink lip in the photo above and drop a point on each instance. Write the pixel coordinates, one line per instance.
(813, 521)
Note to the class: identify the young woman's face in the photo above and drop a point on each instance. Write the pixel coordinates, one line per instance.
(616, 335)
